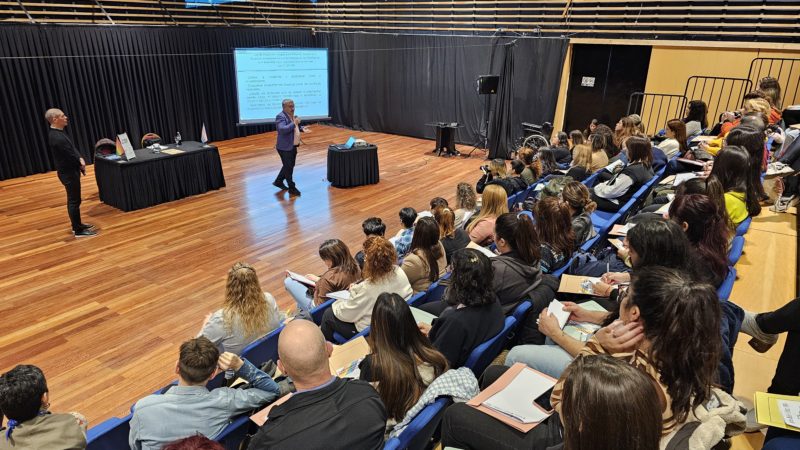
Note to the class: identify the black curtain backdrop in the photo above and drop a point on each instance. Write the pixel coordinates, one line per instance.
(110, 80)
(398, 83)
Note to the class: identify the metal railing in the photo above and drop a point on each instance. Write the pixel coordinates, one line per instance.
(720, 93)
(785, 70)
(656, 109)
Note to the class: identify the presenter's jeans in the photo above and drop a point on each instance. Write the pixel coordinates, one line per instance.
(288, 159)
(299, 293)
(72, 184)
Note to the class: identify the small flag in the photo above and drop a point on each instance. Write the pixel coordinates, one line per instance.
(204, 135)
(120, 150)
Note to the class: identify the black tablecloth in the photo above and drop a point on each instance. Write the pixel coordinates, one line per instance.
(153, 178)
(353, 167)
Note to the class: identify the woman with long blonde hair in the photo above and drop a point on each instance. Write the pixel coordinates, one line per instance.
(494, 203)
(626, 127)
(247, 314)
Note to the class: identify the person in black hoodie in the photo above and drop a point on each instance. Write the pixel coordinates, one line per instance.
(70, 165)
(326, 412)
(473, 314)
(559, 145)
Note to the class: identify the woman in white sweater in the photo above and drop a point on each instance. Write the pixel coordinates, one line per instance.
(675, 144)
(381, 274)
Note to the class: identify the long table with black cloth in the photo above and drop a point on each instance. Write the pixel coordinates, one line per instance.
(153, 178)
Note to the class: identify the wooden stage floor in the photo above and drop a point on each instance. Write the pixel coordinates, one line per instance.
(103, 317)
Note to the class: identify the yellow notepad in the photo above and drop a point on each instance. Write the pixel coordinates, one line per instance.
(768, 412)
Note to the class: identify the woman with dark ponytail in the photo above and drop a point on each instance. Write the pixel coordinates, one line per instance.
(730, 182)
(516, 269)
(751, 140)
(706, 226)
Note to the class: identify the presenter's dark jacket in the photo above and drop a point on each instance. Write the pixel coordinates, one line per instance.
(65, 155)
(285, 126)
(345, 414)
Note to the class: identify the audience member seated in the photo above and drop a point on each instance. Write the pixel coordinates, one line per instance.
(547, 159)
(764, 329)
(494, 203)
(652, 242)
(425, 262)
(247, 314)
(631, 417)
(676, 142)
(189, 408)
(581, 166)
(695, 120)
(609, 144)
(575, 138)
(466, 204)
(612, 194)
(625, 128)
(380, 274)
(554, 229)
(342, 271)
(519, 183)
(579, 201)
(772, 93)
(402, 240)
(473, 316)
(730, 181)
(194, 443)
(659, 158)
(599, 153)
(559, 145)
(372, 226)
(679, 354)
(402, 363)
(517, 273)
(590, 129)
(637, 122)
(25, 401)
(496, 173)
(533, 169)
(752, 140)
(452, 238)
(706, 226)
(754, 114)
(326, 412)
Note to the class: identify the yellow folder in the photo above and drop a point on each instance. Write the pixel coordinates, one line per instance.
(768, 412)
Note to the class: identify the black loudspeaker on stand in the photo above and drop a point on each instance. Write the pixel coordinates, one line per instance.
(487, 86)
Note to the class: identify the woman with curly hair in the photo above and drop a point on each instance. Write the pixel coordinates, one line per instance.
(380, 274)
(554, 229)
(625, 128)
(466, 204)
(247, 314)
(473, 315)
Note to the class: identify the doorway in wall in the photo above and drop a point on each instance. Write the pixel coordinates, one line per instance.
(602, 78)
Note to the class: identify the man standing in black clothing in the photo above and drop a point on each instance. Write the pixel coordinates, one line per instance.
(69, 165)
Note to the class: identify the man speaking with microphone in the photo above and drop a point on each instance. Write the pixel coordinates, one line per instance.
(289, 129)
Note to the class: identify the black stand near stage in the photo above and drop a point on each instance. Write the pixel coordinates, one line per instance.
(445, 138)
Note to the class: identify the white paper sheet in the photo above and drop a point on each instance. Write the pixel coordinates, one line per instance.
(556, 309)
(301, 278)
(790, 411)
(339, 295)
(517, 399)
(422, 316)
(681, 177)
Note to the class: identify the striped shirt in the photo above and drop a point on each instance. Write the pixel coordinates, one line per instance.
(637, 359)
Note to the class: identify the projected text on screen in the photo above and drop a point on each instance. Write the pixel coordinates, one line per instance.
(264, 77)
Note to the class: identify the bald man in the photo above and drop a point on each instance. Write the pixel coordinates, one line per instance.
(326, 412)
(69, 165)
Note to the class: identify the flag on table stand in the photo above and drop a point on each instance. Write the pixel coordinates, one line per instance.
(119, 149)
(204, 135)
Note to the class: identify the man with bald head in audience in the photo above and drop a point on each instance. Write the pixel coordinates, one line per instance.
(326, 412)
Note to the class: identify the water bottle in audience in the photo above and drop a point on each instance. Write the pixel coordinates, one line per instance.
(178, 138)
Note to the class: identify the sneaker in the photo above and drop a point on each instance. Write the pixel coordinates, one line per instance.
(88, 226)
(782, 204)
(280, 185)
(85, 233)
(761, 341)
(294, 192)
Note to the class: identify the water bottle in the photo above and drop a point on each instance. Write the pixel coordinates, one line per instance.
(178, 138)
